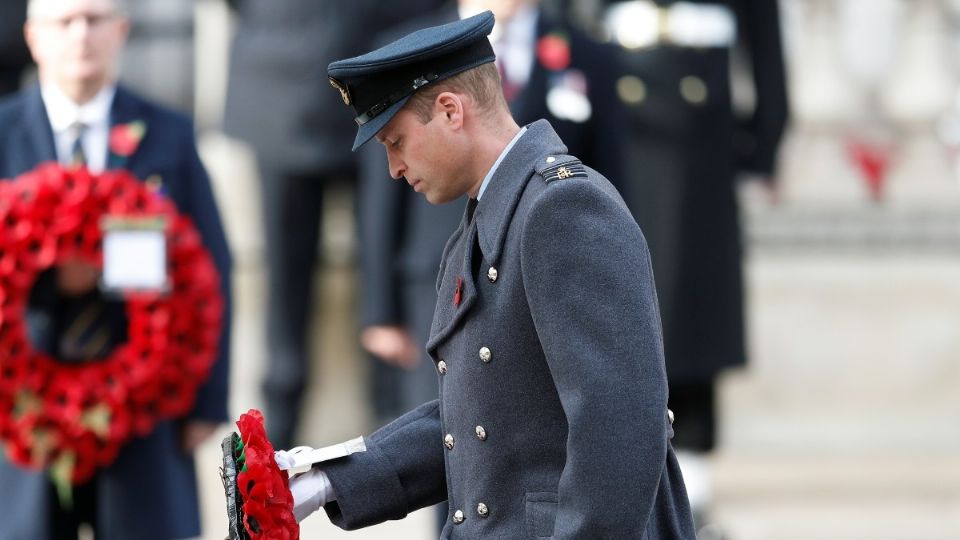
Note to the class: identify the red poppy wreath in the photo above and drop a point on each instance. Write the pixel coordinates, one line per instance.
(259, 502)
(74, 418)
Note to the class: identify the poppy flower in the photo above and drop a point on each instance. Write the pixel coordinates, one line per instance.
(125, 138)
(553, 51)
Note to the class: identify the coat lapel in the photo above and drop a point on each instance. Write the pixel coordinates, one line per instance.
(458, 290)
(40, 147)
(488, 230)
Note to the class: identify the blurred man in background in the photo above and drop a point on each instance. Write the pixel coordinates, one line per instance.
(279, 102)
(150, 490)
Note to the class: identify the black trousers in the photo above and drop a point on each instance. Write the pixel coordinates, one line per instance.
(694, 408)
(292, 205)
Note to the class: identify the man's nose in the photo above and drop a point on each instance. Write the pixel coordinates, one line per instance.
(397, 168)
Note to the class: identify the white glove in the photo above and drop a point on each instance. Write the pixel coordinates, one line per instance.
(310, 490)
(309, 485)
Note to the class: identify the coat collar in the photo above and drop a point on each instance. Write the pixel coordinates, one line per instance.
(500, 199)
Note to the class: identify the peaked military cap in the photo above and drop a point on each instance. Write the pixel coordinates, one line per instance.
(378, 84)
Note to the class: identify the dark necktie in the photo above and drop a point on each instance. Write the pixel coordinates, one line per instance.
(77, 156)
(471, 206)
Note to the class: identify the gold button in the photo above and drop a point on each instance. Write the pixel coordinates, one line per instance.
(482, 510)
(632, 90)
(551, 159)
(448, 441)
(492, 274)
(442, 367)
(481, 433)
(458, 517)
(694, 90)
(485, 355)
(670, 416)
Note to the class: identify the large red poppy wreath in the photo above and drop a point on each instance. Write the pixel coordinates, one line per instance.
(74, 418)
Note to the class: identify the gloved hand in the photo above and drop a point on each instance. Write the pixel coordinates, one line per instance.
(309, 484)
(310, 490)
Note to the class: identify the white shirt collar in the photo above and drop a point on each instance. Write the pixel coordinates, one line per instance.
(63, 112)
(496, 164)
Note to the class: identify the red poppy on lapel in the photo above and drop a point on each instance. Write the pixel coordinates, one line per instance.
(125, 138)
(457, 294)
(553, 51)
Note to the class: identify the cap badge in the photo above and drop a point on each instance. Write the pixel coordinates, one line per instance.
(343, 90)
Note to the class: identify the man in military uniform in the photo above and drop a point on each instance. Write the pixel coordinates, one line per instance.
(549, 70)
(552, 419)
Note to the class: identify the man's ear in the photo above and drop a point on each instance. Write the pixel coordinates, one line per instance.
(449, 107)
(29, 36)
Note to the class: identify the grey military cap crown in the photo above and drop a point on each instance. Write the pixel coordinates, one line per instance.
(376, 85)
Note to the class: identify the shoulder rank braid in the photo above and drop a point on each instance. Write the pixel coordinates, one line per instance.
(561, 171)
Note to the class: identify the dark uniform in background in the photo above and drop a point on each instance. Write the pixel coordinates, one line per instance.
(402, 235)
(687, 149)
(279, 101)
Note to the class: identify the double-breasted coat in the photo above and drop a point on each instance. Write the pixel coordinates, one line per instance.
(552, 418)
(150, 491)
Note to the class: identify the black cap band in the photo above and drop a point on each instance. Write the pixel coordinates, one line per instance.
(417, 84)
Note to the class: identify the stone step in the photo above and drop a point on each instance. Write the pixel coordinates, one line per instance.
(895, 497)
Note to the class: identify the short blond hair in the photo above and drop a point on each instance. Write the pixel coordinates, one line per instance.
(481, 83)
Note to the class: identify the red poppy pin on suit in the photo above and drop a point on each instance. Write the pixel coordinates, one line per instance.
(125, 138)
(553, 51)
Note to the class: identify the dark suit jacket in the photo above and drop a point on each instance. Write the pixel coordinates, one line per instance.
(150, 491)
(552, 417)
(402, 235)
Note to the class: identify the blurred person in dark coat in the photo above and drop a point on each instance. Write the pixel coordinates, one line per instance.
(688, 149)
(551, 71)
(150, 490)
(279, 101)
(14, 56)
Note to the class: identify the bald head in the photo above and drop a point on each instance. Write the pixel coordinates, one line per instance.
(76, 44)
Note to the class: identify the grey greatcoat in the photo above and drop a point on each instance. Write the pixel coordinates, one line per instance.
(552, 418)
